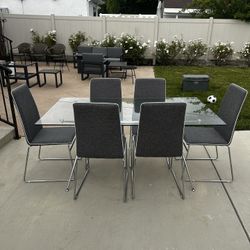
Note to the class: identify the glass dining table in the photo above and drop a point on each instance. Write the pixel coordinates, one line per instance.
(197, 114)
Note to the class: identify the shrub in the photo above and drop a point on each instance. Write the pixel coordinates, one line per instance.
(222, 52)
(50, 38)
(134, 49)
(245, 53)
(36, 38)
(167, 52)
(193, 50)
(109, 41)
(76, 39)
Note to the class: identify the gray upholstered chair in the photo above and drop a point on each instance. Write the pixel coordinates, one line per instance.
(36, 135)
(100, 50)
(229, 111)
(160, 134)
(106, 90)
(114, 54)
(147, 90)
(92, 63)
(98, 135)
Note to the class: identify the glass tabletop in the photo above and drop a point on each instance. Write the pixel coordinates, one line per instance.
(197, 114)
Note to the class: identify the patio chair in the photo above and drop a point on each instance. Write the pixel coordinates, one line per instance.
(160, 134)
(98, 135)
(57, 55)
(106, 90)
(39, 52)
(92, 63)
(77, 57)
(114, 54)
(147, 90)
(24, 51)
(229, 111)
(36, 135)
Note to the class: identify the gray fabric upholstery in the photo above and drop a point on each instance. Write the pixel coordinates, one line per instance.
(114, 53)
(203, 135)
(54, 136)
(84, 49)
(230, 108)
(98, 130)
(106, 90)
(35, 134)
(93, 63)
(229, 111)
(28, 111)
(160, 132)
(100, 50)
(149, 90)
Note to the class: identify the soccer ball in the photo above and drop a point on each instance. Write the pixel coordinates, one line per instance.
(211, 99)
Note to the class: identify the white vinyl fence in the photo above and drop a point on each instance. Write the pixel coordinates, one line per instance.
(17, 28)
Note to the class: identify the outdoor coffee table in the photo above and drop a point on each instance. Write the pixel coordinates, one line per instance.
(123, 67)
(54, 72)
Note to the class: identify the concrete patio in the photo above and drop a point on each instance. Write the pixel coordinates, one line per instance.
(44, 216)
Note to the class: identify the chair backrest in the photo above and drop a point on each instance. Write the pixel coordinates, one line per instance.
(28, 111)
(57, 49)
(39, 48)
(92, 58)
(84, 49)
(149, 90)
(98, 130)
(106, 90)
(115, 52)
(24, 48)
(102, 50)
(160, 132)
(229, 110)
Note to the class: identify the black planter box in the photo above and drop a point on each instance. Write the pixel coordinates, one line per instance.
(195, 82)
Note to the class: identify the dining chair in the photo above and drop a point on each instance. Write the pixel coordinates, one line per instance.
(229, 111)
(98, 135)
(160, 134)
(147, 90)
(37, 135)
(106, 90)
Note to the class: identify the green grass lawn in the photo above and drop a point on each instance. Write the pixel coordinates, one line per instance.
(220, 78)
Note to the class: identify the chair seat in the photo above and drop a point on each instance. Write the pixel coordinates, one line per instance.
(54, 136)
(203, 135)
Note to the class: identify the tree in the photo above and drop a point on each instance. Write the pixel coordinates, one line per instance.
(113, 6)
(131, 6)
(235, 9)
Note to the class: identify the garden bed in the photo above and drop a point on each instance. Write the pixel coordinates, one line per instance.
(220, 78)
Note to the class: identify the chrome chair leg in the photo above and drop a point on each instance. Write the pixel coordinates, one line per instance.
(188, 173)
(217, 180)
(125, 170)
(175, 179)
(71, 174)
(36, 180)
(132, 169)
(76, 192)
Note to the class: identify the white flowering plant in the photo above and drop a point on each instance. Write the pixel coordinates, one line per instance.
(166, 52)
(109, 41)
(76, 39)
(245, 52)
(36, 37)
(194, 49)
(222, 52)
(50, 38)
(134, 48)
